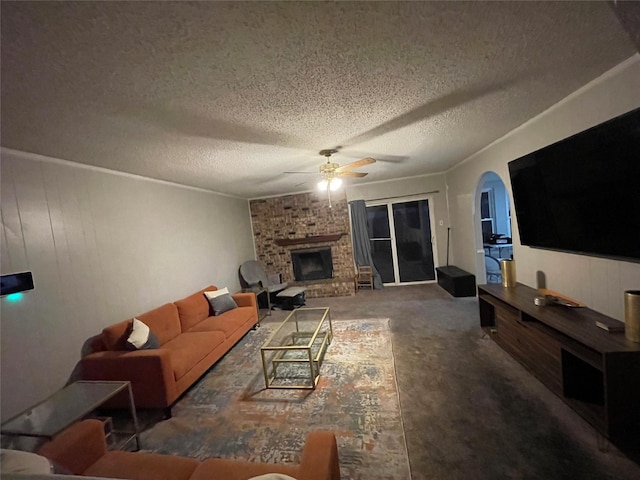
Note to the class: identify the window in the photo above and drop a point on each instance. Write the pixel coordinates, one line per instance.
(402, 245)
(487, 210)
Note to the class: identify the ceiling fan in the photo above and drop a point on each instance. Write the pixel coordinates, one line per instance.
(331, 171)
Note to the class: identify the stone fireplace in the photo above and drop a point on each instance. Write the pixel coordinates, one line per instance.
(304, 224)
(312, 264)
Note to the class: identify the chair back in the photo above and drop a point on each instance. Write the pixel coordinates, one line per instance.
(365, 271)
(492, 266)
(364, 277)
(253, 273)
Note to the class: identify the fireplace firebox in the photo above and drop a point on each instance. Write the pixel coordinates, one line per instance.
(312, 264)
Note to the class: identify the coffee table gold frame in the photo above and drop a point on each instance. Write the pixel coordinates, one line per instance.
(305, 343)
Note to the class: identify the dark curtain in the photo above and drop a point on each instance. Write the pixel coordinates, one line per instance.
(361, 246)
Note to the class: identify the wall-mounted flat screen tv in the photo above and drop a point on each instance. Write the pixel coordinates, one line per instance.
(582, 194)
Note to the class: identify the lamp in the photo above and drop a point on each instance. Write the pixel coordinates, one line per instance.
(323, 184)
(335, 183)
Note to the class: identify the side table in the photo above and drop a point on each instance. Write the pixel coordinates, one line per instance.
(259, 291)
(51, 416)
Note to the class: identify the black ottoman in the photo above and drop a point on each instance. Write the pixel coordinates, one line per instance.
(456, 281)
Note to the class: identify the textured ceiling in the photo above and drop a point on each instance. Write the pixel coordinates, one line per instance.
(228, 96)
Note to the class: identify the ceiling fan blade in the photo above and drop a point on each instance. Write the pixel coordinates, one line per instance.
(352, 174)
(356, 164)
(308, 173)
(380, 157)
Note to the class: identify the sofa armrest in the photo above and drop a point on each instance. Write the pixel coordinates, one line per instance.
(78, 447)
(245, 300)
(149, 371)
(320, 457)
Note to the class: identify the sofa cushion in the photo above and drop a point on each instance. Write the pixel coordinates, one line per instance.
(87, 439)
(143, 466)
(189, 348)
(228, 322)
(163, 321)
(114, 337)
(194, 308)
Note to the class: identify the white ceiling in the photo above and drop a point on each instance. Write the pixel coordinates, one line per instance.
(228, 96)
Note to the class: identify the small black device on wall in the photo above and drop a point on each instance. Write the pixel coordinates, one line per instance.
(15, 283)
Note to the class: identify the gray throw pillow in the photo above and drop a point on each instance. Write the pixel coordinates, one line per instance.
(222, 303)
(151, 343)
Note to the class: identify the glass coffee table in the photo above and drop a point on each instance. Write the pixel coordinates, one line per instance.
(66, 406)
(293, 354)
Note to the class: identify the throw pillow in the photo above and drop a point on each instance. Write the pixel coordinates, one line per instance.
(216, 293)
(221, 301)
(17, 461)
(141, 337)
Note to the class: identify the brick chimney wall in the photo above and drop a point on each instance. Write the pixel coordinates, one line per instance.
(300, 216)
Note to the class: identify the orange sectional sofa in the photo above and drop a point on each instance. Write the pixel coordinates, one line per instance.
(191, 340)
(82, 450)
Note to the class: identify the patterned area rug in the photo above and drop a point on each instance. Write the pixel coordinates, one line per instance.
(230, 414)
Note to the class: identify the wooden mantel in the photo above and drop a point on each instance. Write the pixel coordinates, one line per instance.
(282, 242)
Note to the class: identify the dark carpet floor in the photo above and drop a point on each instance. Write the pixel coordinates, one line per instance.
(470, 411)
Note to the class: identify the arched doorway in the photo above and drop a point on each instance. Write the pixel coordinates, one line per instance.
(492, 222)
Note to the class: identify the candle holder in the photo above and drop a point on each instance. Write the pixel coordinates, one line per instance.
(632, 315)
(508, 271)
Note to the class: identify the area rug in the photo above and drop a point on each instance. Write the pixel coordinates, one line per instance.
(230, 414)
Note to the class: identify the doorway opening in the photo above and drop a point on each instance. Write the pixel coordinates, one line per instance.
(492, 217)
(401, 238)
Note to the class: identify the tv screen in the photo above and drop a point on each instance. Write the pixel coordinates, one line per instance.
(582, 194)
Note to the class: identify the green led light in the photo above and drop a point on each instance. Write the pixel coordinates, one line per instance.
(14, 297)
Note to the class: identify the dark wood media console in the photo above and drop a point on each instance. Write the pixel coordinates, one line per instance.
(595, 372)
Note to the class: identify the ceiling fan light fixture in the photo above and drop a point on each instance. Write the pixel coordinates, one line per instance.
(331, 171)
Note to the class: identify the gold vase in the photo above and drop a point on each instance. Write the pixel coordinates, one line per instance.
(632, 315)
(508, 271)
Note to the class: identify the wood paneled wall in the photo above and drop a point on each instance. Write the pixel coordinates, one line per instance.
(102, 247)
